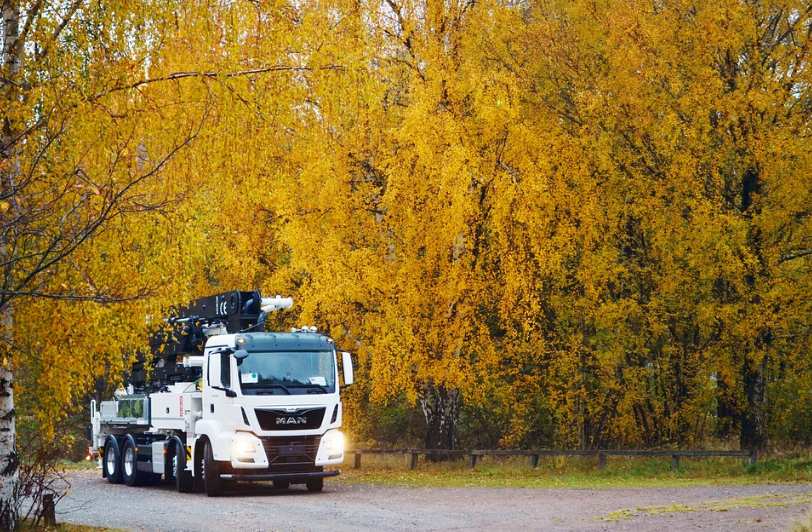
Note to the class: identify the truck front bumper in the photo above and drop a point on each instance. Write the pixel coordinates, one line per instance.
(246, 451)
(289, 477)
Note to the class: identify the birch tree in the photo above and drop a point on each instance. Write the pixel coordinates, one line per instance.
(74, 161)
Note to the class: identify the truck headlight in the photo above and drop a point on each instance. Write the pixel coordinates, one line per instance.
(334, 441)
(243, 445)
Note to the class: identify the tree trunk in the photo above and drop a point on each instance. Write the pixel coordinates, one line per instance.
(441, 407)
(752, 417)
(9, 461)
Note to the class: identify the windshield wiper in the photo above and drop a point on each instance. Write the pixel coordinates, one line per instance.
(260, 391)
(316, 388)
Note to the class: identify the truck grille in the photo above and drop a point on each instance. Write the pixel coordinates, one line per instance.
(304, 419)
(291, 453)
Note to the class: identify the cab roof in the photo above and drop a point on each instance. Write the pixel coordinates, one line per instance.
(280, 341)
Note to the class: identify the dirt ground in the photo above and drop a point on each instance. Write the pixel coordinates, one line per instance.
(345, 507)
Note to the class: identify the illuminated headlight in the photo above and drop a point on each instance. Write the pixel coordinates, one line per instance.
(334, 441)
(247, 452)
(243, 444)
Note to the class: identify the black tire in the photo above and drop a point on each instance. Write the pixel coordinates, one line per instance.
(112, 461)
(211, 472)
(183, 478)
(170, 463)
(129, 464)
(281, 484)
(197, 465)
(152, 479)
(315, 484)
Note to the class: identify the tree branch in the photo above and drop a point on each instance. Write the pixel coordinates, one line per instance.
(796, 255)
(211, 75)
(98, 298)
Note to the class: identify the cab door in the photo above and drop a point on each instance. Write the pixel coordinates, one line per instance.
(217, 393)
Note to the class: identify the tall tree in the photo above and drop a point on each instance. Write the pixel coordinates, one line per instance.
(687, 126)
(76, 160)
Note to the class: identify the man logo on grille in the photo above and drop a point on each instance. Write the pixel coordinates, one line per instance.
(292, 420)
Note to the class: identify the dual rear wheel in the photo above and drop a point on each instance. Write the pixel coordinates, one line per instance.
(181, 476)
(121, 463)
(112, 461)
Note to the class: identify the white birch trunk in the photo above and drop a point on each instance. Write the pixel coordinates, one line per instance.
(9, 460)
(441, 408)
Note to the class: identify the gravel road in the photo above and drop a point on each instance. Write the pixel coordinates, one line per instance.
(344, 507)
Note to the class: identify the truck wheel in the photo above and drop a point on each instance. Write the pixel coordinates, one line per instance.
(211, 473)
(112, 461)
(183, 478)
(315, 484)
(170, 463)
(197, 465)
(129, 464)
(151, 479)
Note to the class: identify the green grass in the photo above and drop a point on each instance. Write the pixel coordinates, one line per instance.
(803, 524)
(82, 528)
(577, 472)
(63, 527)
(759, 501)
(83, 464)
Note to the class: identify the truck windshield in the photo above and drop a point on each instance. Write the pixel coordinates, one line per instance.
(287, 373)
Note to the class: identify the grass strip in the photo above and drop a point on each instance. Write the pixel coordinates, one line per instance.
(726, 505)
(577, 472)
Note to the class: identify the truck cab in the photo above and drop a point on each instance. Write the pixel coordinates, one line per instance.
(271, 407)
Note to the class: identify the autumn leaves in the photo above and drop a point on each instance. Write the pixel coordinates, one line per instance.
(569, 223)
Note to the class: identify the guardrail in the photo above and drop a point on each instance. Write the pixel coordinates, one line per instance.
(474, 455)
(414, 454)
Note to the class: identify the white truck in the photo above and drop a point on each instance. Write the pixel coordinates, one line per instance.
(226, 401)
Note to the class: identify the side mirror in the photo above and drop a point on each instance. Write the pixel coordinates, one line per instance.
(346, 362)
(241, 354)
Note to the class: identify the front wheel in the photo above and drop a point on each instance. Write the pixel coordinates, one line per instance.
(315, 484)
(211, 472)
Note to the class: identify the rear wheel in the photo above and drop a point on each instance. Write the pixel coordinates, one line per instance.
(211, 472)
(129, 464)
(315, 484)
(170, 463)
(183, 478)
(112, 461)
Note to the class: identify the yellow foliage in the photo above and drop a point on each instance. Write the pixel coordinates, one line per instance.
(594, 211)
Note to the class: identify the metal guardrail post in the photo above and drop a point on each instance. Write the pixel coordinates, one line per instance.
(674, 462)
(472, 460)
(601, 461)
(357, 459)
(414, 460)
(48, 509)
